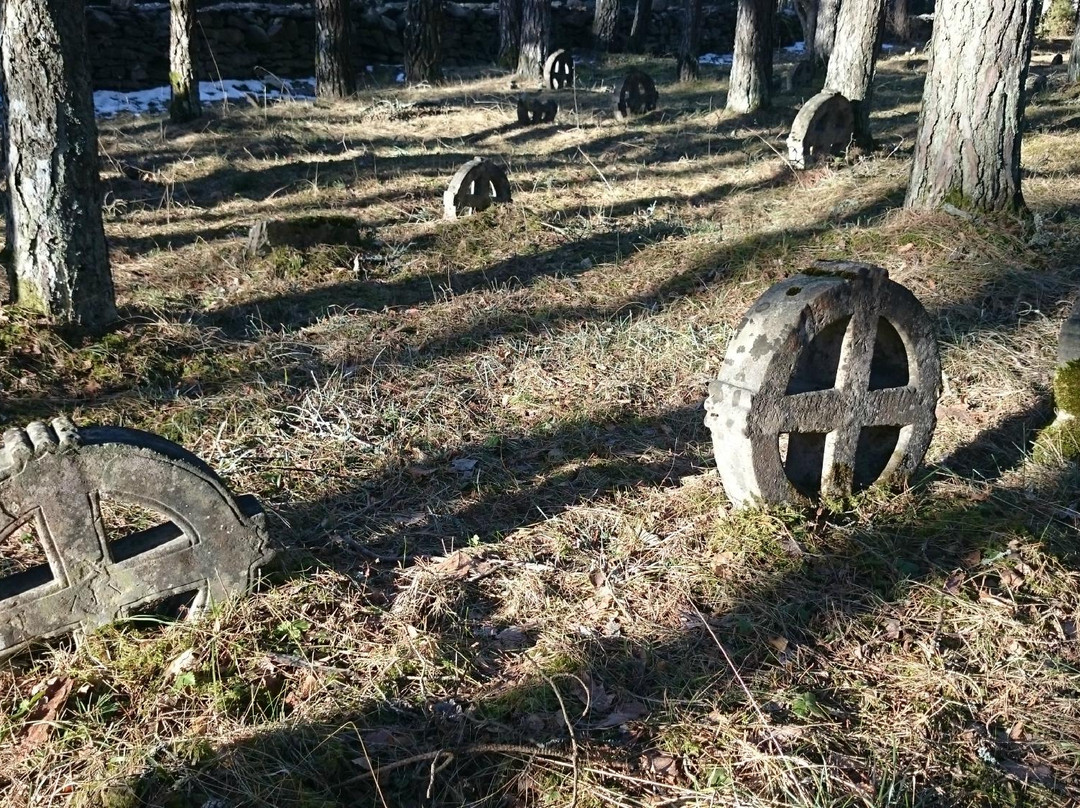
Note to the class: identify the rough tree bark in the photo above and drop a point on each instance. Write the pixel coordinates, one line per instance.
(509, 32)
(967, 147)
(825, 30)
(639, 32)
(9, 229)
(1074, 51)
(605, 20)
(807, 10)
(423, 41)
(750, 86)
(851, 65)
(688, 45)
(61, 264)
(535, 31)
(900, 20)
(334, 75)
(184, 104)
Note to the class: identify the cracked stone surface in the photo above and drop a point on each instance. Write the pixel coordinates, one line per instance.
(54, 481)
(559, 70)
(830, 386)
(824, 125)
(637, 95)
(475, 187)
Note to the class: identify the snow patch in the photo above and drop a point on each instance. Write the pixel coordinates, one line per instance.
(155, 101)
(720, 59)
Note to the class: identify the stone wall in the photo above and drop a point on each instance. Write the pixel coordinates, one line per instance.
(129, 42)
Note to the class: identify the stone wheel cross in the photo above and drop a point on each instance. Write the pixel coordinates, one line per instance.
(637, 95)
(475, 187)
(559, 70)
(830, 386)
(56, 481)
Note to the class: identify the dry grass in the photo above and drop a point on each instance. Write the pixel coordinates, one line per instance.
(510, 406)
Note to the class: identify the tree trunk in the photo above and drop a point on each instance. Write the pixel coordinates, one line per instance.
(851, 65)
(334, 75)
(639, 32)
(807, 10)
(691, 36)
(967, 148)
(509, 32)
(605, 20)
(750, 85)
(825, 31)
(900, 20)
(535, 30)
(184, 104)
(423, 41)
(1074, 52)
(9, 228)
(61, 263)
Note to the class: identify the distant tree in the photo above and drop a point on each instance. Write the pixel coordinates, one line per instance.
(825, 30)
(334, 74)
(639, 31)
(1074, 52)
(807, 11)
(535, 33)
(967, 147)
(59, 256)
(605, 21)
(423, 40)
(900, 20)
(750, 85)
(184, 104)
(509, 32)
(691, 36)
(851, 65)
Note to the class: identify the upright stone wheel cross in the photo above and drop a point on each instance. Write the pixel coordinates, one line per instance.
(559, 70)
(637, 95)
(829, 386)
(190, 541)
(824, 125)
(475, 187)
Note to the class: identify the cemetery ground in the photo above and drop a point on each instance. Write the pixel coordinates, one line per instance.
(513, 577)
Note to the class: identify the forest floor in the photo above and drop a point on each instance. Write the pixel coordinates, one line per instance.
(516, 579)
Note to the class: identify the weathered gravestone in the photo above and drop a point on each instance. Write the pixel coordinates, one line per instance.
(475, 187)
(559, 70)
(533, 111)
(303, 233)
(637, 95)
(104, 523)
(1061, 439)
(798, 74)
(824, 125)
(829, 386)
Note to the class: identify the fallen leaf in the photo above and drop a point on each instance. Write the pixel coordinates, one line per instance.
(779, 644)
(903, 248)
(892, 630)
(184, 662)
(953, 583)
(1011, 578)
(621, 714)
(658, 763)
(47, 710)
(972, 559)
(456, 565)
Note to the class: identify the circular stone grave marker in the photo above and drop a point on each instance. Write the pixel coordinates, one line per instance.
(559, 70)
(824, 125)
(829, 386)
(475, 187)
(119, 521)
(532, 111)
(637, 95)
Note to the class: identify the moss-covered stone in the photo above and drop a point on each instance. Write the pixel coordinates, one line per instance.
(1059, 441)
(1067, 388)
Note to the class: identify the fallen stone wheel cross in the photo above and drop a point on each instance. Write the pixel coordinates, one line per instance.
(475, 187)
(829, 387)
(194, 543)
(559, 70)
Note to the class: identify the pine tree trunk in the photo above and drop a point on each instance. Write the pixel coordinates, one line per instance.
(750, 86)
(535, 31)
(334, 75)
(605, 21)
(900, 20)
(184, 104)
(60, 260)
(691, 36)
(509, 32)
(1074, 52)
(423, 41)
(808, 15)
(639, 32)
(967, 148)
(851, 65)
(825, 31)
(9, 228)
